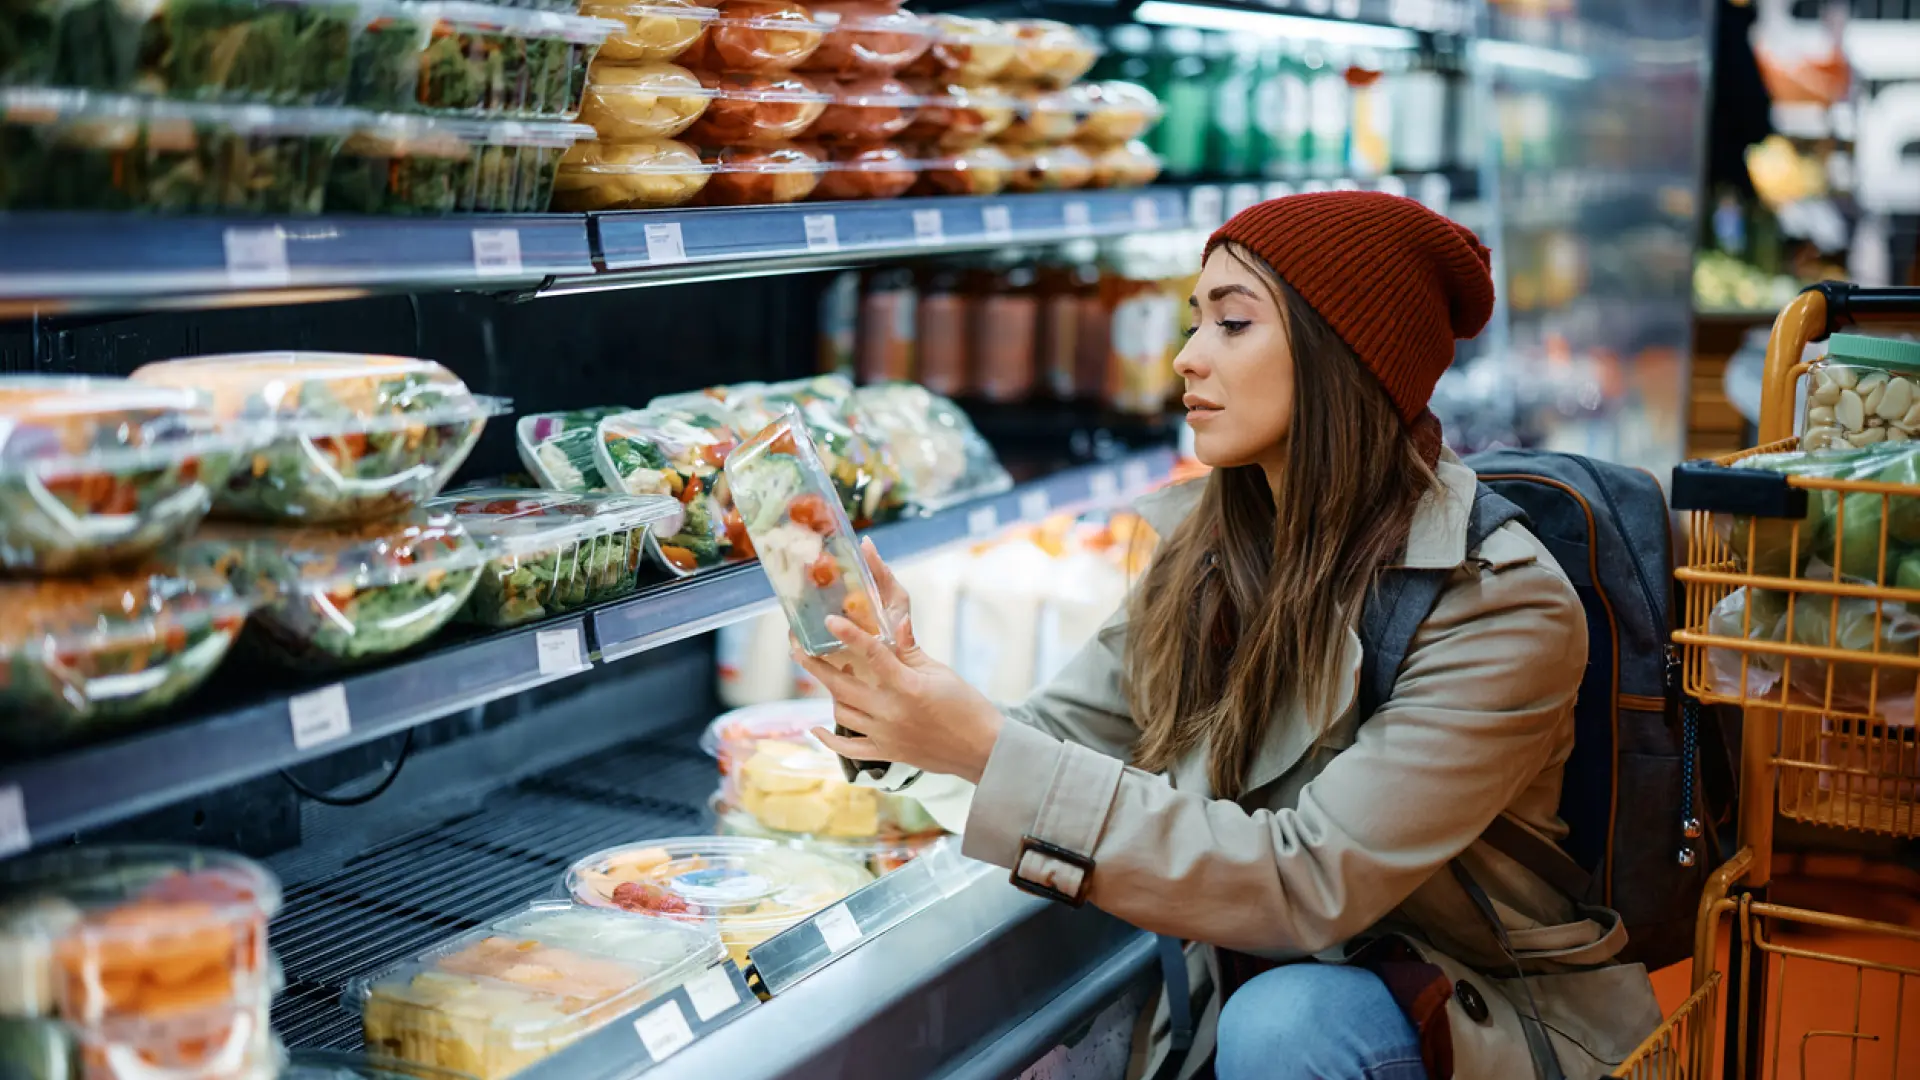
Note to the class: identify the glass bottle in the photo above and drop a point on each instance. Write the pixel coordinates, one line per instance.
(1233, 62)
(1004, 311)
(1179, 80)
(943, 328)
(888, 313)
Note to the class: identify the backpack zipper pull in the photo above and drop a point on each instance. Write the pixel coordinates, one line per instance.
(1690, 829)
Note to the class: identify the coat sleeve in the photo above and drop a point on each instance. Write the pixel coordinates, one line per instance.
(1476, 715)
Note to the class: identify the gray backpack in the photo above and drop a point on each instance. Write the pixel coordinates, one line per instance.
(1631, 800)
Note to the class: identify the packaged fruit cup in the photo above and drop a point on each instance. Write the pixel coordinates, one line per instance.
(750, 176)
(230, 1040)
(747, 889)
(983, 170)
(96, 471)
(654, 32)
(866, 109)
(1115, 112)
(757, 35)
(867, 38)
(1129, 165)
(1048, 53)
(1866, 390)
(867, 172)
(644, 101)
(507, 62)
(803, 538)
(941, 457)
(79, 43)
(878, 856)
(112, 938)
(757, 109)
(643, 175)
(332, 597)
(865, 480)
(549, 552)
(1050, 168)
(281, 52)
(385, 72)
(953, 117)
(1044, 117)
(495, 1000)
(679, 452)
(80, 657)
(966, 51)
(557, 448)
(351, 436)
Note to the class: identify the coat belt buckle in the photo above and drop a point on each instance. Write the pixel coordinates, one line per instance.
(1053, 851)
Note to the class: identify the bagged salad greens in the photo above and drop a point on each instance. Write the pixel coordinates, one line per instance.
(335, 596)
(677, 451)
(941, 459)
(557, 448)
(549, 552)
(95, 472)
(867, 483)
(354, 436)
(79, 656)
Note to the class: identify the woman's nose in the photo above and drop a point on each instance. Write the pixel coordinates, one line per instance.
(1190, 363)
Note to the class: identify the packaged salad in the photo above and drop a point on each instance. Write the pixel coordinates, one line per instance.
(93, 44)
(385, 71)
(332, 597)
(757, 35)
(757, 109)
(507, 62)
(867, 172)
(644, 101)
(760, 176)
(493, 1001)
(805, 543)
(748, 890)
(967, 51)
(281, 52)
(653, 32)
(941, 457)
(101, 471)
(867, 38)
(866, 109)
(83, 656)
(353, 436)
(677, 451)
(549, 552)
(866, 482)
(394, 164)
(642, 175)
(557, 448)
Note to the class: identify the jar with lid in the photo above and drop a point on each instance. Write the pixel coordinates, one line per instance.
(888, 312)
(1143, 327)
(1066, 280)
(1004, 310)
(1866, 390)
(943, 329)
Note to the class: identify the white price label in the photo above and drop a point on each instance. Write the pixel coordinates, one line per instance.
(1079, 216)
(560, 651)
(983, 521)
(257, 256)
(1206, 206)
(319, 716)
(664, 1031)
(1103, 484)
(822, 233)
(712, 993)
(14, 837)
(998, 221)
(928, 228)
(1134, 475)
(496, 252)
(1034, 505)
(1146, 213)
(837, 928)
(665, 246)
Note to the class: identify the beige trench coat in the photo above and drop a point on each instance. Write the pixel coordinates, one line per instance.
(1346, 830)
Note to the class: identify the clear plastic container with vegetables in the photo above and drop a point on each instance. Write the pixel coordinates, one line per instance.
(282, 52)
(1048, 53)
(1866, 390)
(646, 174)
(97, 471)
(805, 543)
(644, 101)
(385, 72)
(677, 451)
(408, 165)
(354, 436)
(550, 552)
(333, 597)
(92, 44)
(557, 448)
(495, 1000)
(86, 656)
(942, 459)
(507, 62)
(867, 484)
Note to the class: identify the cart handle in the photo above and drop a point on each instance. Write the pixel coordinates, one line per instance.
(1812, 316)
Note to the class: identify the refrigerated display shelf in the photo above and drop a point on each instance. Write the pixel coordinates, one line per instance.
(246, 727)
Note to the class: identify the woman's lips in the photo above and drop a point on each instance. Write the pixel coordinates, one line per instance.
(1199, 409)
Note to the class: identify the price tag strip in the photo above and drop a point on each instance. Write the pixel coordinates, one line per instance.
(678, 1018)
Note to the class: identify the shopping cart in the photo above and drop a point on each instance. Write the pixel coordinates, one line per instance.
(1823, 666)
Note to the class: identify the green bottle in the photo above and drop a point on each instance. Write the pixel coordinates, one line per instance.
(1329, 113)
(1180, 80)
(1280, 114)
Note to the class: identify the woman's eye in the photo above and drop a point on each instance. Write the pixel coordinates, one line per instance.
(1190, 331)
(1234, 326)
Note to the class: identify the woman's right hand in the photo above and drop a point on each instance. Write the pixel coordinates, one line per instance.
(895, 605)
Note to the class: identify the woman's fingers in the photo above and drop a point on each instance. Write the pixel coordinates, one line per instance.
(882, 664)
(837, 681)
(857, 749)
(893, 598)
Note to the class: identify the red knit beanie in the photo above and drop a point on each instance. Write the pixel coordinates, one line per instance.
(1395, 280)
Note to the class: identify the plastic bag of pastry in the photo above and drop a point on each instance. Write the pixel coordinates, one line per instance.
(746, 176)
(757, 109)
(1116, 111)
(953, 117)
(866, 109)
(652, 32)
(967, 51)
(641, 175)
(983, 170)
(867, 38)
(1048, 53)
(1050, 168)
(867, 172)
(624, 103)
(1130, 165)
(757, 35)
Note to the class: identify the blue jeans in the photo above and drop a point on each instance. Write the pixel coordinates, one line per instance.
(1316, 1022)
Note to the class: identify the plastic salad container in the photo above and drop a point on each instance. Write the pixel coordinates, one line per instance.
(677, 451)
(953, 117)
(867, 109)
(508, 62)
(1116, 112)
(385, 73)
(650, 33)
(557, 448)
(495, 1000)
(643, 175)
(749, 890)
(1866, 390)
(983, 170)
(80, 656)
(1129, 165)
(283, 52)
(805, 544)
(757, 35)
(71, 150)
(1048, 53)
(549, 552)
(866, 482)
(868, 38)
(355, 436)
(1050, 168)
(774, 771)
(877, 856)
(435, 165)
(644, 101)
(965, 50)
(232, 1040)
(757, 109)
(97, 471)
(745, 176)
(79, 43)
(1044, 117)
(867, 172)
(941, 457)
(334, 597)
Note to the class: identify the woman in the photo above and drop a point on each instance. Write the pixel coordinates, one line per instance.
(1199, 770)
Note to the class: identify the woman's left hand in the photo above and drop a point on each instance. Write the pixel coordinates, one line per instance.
(907, 706)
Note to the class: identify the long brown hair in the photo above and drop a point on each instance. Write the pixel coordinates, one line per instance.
(1246, 605)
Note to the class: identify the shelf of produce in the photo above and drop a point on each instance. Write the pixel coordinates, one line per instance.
(246, 726)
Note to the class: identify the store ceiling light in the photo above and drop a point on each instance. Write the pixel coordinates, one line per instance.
(1514, 55)
(1268, 24)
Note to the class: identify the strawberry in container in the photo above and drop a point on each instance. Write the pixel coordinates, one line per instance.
(678, 451)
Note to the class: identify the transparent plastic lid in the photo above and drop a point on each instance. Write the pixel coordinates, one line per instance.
(873, 159)
(159, 603)
(398, 135)
(941, 456)
(1117, 95)
(273, 561)
(952, 29)
(734, 736)
(652, 157)
(319, 393)
(521, 521)
(793, 158)
(869, 16)
(54, 425)
(521, 22)
(685, 12)
(745, 886)
(790, 21)
(553, 135)
(653, 80)
(253, 120)
(36, 105)
(784, 87)
(878, 853)
(658, 450)
(874, 93)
